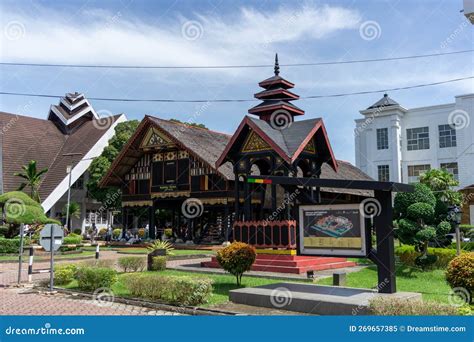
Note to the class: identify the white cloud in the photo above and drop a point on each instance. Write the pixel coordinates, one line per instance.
(97, 36)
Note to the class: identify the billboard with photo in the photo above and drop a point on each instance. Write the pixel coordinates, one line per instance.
(337, 230)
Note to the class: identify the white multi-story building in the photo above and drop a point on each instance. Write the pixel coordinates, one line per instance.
(398, 144)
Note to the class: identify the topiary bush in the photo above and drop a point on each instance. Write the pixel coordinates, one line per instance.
(170, 289)
(460, 272)
(3, 231)
(132, 263)
(92, 278)
(236, 259)
(158, 263)
(64, 273)
(72, 239)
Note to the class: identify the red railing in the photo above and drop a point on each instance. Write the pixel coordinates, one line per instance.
(266, 234)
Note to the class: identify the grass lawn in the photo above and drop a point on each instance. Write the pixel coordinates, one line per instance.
(84, 254)
(431, 284)
(222, 284)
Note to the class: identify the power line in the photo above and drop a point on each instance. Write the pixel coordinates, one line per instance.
(234, 66)
(247, 100)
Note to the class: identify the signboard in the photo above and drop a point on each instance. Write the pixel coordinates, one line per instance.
(53, 231)
(337, 230)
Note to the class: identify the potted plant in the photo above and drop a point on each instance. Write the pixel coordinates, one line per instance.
(158, 248)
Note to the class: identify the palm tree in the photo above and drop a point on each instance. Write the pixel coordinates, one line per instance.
(32, 179)
(74, 211)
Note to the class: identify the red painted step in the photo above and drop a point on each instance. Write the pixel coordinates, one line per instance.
(290, 264)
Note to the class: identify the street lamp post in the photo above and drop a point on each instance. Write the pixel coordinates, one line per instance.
(455, 215)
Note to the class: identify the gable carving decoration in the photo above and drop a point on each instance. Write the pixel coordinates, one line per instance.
(310, 147)
(255, 143)
(153, 138)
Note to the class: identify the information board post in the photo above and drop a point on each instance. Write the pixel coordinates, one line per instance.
(385, 256)
(51, 278)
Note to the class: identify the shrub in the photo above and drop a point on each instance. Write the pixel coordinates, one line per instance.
(168, 232)
(132, 263)
(64, 273)
(158, 263)
(141, 233)
(108, 263)
(465, 246)
(408, 256)
(116, 232)
(72, 239)
(404, 307)
(236, 259)
(92, 278)
(158, 244)
(170, 289)
(9, 246)
(460, 272)
(3, 230)
(77, 231)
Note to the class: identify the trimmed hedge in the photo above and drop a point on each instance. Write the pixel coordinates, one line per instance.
(403, 307)
(92, 278)
(64, 273)
(158, 263)
(180, 290)
(132, 263)
(9, 246)
(72, 239)
(408, 255)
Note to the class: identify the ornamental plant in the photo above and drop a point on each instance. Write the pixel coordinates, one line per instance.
(236, 259)
(460, 273)
(419, 220)
(92, 278)
(158, 244)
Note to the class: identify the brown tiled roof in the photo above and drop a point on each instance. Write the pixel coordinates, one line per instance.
(25, 138)
(209, 145)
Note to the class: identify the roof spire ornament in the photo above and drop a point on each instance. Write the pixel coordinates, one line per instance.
(277, 66)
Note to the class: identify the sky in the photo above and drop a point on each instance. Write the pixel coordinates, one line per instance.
(200, 33)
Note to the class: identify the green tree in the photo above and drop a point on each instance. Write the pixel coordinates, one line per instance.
(110, 197)
(17, 207)
(417, 223)
(441, 182)
(32, 179)
(74, 211)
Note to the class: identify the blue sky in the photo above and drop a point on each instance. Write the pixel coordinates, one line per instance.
(143, 32)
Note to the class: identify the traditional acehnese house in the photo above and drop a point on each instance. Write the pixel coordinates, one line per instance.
(171, 168)
(73, 134)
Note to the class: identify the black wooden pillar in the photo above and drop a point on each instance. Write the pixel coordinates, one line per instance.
(237, 197)
(151, 222)
(385, 255)
(124, 221)
(247, 201)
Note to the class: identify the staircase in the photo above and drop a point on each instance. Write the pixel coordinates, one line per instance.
(290, 263)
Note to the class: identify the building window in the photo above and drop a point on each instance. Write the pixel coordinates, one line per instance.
(383, 173)
(447, 136)
(414, 172)
(418, 138)
(452, 168)
(382, 138)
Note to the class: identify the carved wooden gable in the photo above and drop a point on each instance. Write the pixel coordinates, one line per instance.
(255, 143)
(153, 138)
(310, 147)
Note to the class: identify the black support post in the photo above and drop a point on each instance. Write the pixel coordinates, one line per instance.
(385, 255)
(151, 222)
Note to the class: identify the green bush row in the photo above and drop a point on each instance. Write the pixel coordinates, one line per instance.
(408, 255)
(93, 278)
(72, 239)
(132, 263)
(179, 290)
(10, 246)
